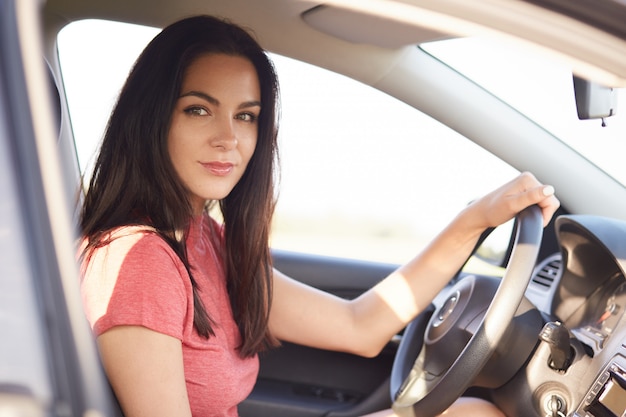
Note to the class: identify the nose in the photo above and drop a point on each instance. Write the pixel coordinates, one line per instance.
(224, 137)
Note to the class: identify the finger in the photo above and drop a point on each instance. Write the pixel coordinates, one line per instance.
(549, 206)
(544, 197)
(527, 195)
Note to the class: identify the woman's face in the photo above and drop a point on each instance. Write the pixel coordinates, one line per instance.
(214, 126)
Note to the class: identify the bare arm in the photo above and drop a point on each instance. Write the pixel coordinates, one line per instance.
(301, 314)
(146, 371)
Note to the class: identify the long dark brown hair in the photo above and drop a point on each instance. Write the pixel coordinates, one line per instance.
(134, 181)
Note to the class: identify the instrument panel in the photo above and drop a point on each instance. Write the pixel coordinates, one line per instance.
(603, 312)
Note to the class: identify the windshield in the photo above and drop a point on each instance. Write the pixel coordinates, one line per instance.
(542, 89)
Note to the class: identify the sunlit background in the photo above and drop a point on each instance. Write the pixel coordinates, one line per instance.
(363, 175)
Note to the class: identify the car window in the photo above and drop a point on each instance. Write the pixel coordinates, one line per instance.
(363, 175)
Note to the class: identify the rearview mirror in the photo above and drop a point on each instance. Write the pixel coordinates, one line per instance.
(594, 101)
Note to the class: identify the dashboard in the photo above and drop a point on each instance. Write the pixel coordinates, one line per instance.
(583, 290)
(590, 300)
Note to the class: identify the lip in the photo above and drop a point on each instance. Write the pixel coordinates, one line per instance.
(217, 168)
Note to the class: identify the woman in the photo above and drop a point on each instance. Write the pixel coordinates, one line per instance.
(182, 304)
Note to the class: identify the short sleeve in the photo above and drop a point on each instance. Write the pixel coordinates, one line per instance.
(137, 279)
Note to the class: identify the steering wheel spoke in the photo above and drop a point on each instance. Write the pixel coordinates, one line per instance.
(414, 385)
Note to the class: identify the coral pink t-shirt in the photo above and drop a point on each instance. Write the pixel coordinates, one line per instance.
(137, 279)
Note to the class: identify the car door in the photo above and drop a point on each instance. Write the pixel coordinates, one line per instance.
(300, 381)
(48, 361)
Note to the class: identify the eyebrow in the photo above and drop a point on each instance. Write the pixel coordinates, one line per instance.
(213, 100)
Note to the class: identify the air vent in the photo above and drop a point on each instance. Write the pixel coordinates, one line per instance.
(547, 272)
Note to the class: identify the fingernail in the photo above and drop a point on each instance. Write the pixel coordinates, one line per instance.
(548, 190)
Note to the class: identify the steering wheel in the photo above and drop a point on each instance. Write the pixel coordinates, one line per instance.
(460, 337)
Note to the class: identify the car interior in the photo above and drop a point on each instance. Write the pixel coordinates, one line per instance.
(543, 335)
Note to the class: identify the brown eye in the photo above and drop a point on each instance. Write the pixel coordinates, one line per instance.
(247, 117)
(196, 111)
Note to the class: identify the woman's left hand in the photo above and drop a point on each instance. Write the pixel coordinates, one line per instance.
(506, 201)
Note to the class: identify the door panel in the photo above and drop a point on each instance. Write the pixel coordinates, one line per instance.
(346, 278)
(298, 381)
